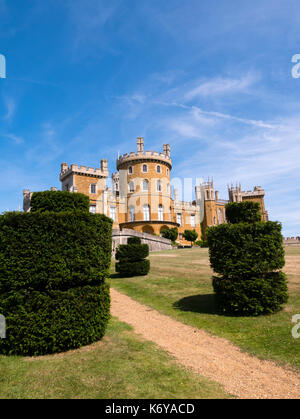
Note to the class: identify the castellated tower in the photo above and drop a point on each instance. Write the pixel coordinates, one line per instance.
(146, 184)
(86, 180)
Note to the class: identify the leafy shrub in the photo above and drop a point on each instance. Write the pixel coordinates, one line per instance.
(190, 235)
(247, 256)
(170, 233)
(58, 201)
(129, 268)
(201, 243)
(257, 295)
(134, 240)
(53, 268)
(243, 212)
(132, 252)
(45, 322)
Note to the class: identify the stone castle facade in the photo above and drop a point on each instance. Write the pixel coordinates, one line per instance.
(140, 197)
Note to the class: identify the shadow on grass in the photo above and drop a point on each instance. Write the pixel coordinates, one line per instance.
(202, 303)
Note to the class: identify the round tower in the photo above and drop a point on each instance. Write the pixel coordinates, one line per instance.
(147, 187)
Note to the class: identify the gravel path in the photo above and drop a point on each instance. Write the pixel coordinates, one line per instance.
(215, 358)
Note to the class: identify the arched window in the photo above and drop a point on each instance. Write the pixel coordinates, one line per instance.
(145, 168)
(146, 212)
(158, 169)
(160, 213)
(131, 186)
(215, 221)
(145, 185)
(130, 171)
(131, 213)
(158, 186)
(170, 214)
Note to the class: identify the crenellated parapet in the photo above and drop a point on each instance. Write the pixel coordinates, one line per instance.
(75, 169)
(145, 156)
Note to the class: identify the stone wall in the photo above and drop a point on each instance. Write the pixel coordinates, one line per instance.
(155, 243)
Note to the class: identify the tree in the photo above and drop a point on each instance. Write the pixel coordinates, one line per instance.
(190, 236)
(170, 233)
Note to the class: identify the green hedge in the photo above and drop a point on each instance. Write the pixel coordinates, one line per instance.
(132, 252)
(53, 268)
(39, 323)
(128, 268)
(243, 212)
(46, 251)
(134, 240)
(58, 201)
(244, 250)
(257, 295)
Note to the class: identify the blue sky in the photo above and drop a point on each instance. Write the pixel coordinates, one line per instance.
(211, 78)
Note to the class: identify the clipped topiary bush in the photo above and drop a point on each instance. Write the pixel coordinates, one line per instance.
(53, 268)
(137, 268)
(58, 201)
(247, 256)
(243, 212)
(134, 240)
(131, 257)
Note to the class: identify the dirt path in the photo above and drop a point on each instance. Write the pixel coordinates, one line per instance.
(213, 357)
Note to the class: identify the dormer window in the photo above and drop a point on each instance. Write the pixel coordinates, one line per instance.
(145, 168)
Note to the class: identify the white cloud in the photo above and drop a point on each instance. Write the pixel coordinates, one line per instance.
(10, 105)
(221, 86)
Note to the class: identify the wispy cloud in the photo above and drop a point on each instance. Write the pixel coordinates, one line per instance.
(222, 86)
(10, 105)
(15, 138)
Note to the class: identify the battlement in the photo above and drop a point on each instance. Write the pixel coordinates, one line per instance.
(67, 170)
(141, 155)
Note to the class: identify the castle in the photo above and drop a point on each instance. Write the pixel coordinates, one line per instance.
(140, 197)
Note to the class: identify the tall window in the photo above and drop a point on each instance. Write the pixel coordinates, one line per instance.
(160, 213)
(130, 170)
(145, 169)
(170, 214)
(93, 188)
(158, 186)
(112, 213)
(131, 213)
(193, 223)
(178, 219)
(158, 169)
(146, 211)
(131, 186)
(145, 185)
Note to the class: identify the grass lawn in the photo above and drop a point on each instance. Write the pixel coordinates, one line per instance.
(120, 366)
(179, 285)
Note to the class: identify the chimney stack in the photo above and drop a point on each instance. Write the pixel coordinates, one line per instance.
(140, 144)
(104, 165)
(166, 149)
(217, 195)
